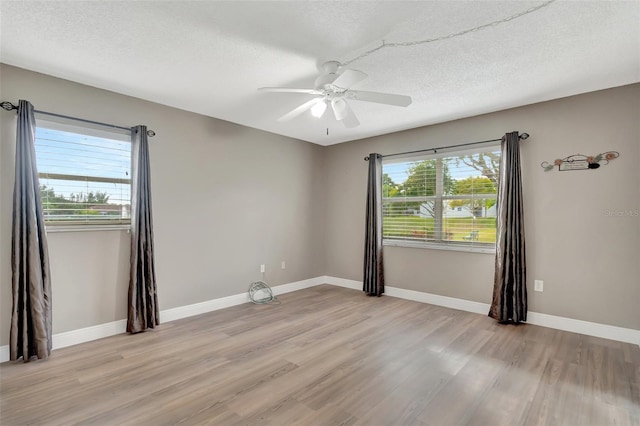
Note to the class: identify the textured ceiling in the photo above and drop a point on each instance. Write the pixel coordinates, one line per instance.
(210, 57)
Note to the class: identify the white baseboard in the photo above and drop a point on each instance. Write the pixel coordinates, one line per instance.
(627, 335)
(341, 282)
(81, 335)
(74, 337)
(298, 285)
(87, 334)
(435, 299)
(4, 353)
(236, 299)
(595, 329)
(202, 307)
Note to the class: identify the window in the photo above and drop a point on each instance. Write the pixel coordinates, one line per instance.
(84, 172)
(442, 200)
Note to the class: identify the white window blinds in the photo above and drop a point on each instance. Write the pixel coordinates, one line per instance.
(448, 200)
(84, 172)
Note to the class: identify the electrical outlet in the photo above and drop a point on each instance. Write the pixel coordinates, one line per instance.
(283, 265)
(538, 285)
(261, 268)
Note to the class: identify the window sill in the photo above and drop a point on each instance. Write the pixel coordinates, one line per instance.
(437, 246)
(85, 228)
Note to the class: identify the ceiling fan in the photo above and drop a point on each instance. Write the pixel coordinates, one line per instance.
(333, 88)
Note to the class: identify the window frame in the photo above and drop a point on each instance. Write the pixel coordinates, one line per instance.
(81, 127)
(438, 242)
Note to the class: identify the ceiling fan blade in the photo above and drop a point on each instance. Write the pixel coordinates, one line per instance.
(349, 120)
(348, 78)
(290, 90)
(381, 98)
(299, 110)
(339, 107)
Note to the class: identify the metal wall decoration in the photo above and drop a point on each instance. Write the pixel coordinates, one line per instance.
(580, 162)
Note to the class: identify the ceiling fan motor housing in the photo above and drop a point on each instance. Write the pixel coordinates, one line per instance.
(325, 81)
(331, 67)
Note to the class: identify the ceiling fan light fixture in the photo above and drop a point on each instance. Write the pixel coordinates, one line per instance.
(318, 109)
(339, 108)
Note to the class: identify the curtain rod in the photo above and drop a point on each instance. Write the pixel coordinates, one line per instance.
(8, 106)
(522, 136)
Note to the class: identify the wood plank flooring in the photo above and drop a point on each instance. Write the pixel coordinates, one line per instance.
(330, 356)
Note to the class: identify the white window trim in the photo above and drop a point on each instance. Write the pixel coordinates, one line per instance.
(490, 249)
(49, 228)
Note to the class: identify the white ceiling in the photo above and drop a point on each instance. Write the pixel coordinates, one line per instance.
(210, 57)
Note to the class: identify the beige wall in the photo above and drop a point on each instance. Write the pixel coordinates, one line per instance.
(226, 198)
(589, 261)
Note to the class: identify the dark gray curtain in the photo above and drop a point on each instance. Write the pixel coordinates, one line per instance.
(509, 302)
(373, 283)
(30, 333)
(143, 299)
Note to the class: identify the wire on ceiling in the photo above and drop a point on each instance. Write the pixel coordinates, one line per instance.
(452, 35)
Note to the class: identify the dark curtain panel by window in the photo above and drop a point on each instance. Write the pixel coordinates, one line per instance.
(509, 302)
(373, 283)
(143, 299)
(30, 333)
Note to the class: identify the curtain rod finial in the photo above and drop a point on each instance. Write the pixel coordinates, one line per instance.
(8, 106)
(524, 136)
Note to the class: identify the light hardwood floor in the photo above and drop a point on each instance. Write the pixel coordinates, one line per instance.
(331, 356)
